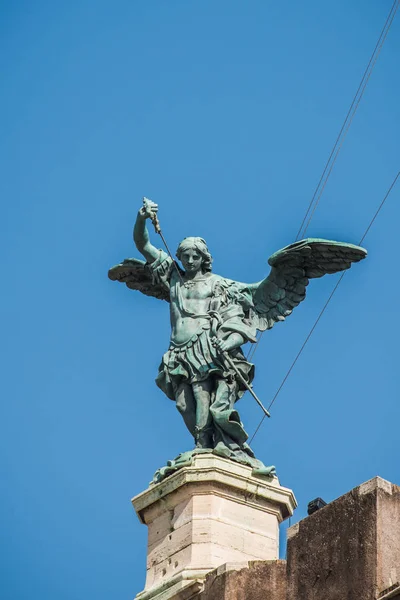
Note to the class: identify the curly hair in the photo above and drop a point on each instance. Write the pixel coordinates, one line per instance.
(200, 245)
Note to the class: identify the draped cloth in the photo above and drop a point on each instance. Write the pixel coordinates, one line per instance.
(196, 361)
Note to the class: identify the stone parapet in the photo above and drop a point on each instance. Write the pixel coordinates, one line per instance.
(260, 580)
(213, 535)
(350, 549)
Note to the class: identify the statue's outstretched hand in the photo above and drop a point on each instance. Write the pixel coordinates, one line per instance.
(149, 209)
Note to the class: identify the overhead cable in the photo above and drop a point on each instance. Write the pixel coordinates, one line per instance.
(324, 308)
(346, 123)
(340, 138)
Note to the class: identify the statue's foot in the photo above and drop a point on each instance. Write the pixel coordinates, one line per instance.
(265, 471)
(201, 451)
(222, 450)
(243, 456)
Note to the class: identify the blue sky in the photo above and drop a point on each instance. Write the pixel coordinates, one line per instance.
(223, 112)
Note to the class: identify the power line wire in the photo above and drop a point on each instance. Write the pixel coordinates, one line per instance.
(324, 308)
(341, 138)
(376, 52)
(349, 119)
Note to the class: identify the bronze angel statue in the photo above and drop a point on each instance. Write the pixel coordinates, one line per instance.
(204, 369)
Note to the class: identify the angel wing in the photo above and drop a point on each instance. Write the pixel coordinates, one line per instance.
(136, 275)
(275, 297)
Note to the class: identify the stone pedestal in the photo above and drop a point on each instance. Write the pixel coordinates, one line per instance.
(208, 514)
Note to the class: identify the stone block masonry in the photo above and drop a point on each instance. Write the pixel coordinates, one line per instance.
(260, 580)
(350, 549)
(213, 536)
(211, 513)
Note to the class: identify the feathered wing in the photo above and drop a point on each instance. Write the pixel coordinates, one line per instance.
(276, 296)
(137, 276)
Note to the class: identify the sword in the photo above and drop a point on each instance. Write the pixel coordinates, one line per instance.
(244, 382)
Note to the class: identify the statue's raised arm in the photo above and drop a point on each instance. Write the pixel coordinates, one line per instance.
(135, 273)
(140, 232)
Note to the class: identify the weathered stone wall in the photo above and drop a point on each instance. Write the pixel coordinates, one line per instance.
(260, 580)
(348, 550)
(388, 536)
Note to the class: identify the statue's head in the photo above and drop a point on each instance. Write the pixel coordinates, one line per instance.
(194, 254)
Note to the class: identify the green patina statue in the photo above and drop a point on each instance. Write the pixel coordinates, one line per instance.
(204, 369)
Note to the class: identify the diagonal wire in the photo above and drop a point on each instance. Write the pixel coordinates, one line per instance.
(324, 308)
(348, 119)
(397, 2)
(340, 138)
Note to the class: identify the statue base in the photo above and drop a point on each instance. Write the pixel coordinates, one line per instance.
(209, 513)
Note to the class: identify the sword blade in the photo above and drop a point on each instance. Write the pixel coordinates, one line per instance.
(246, 385)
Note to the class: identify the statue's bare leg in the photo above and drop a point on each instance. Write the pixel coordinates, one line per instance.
(204, 430)
(186, 404)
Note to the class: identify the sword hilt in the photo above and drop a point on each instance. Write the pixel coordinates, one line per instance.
(156, 223)
(153, 217)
